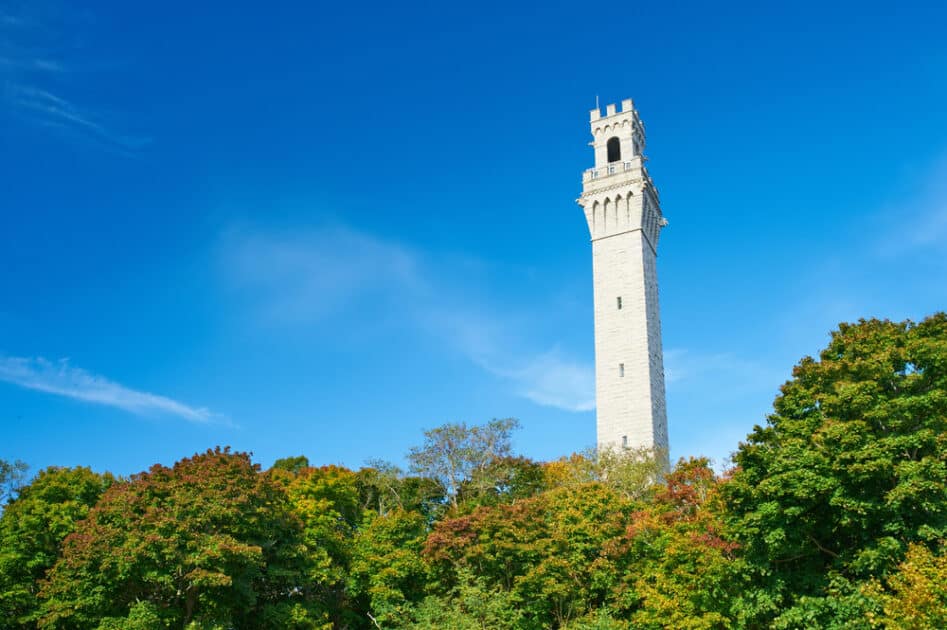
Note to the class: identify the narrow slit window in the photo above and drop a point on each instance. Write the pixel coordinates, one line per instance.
(619, 303)
(621, 369)
(624, 441)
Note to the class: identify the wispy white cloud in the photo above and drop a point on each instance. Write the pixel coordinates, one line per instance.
(32, 77)
(56, 108)
(52, 110)
(551, 380)
(62, 379)
(303, 276)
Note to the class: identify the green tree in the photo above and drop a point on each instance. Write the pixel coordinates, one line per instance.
(558, 555)
(379, 487)
(471, 605)
(141, 616)
(326, 501)
(455, 454)
(684, 571)
(850, 468)
(503, 480)
(292, 465)
(387, 571)
(383, 487)
(209, 542)
(633, 472)
(32, 529)
(600, 619)
(12, 476)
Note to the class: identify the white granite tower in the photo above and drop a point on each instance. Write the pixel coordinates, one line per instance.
(624, 216)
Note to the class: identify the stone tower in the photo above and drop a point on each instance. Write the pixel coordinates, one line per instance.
(624, 215)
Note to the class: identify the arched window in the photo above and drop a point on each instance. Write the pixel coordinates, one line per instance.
(614, 150)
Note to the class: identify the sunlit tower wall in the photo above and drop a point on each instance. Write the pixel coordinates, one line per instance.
(624, 215)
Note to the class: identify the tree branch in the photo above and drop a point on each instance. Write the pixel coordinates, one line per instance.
(821, 548)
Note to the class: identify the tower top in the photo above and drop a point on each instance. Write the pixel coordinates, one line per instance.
(618, 135)
(618, 141)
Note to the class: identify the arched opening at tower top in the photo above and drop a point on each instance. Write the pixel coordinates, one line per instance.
(614, 150)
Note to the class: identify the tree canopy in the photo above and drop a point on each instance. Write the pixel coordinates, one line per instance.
(851, 467)
(834, 515)
(32, 530)
(208, 542)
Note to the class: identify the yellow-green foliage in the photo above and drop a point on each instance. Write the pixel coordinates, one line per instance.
(915, 596)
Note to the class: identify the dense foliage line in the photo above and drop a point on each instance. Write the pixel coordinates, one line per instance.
(833, 516)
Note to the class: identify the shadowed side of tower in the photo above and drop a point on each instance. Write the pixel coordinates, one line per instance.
(624, 215)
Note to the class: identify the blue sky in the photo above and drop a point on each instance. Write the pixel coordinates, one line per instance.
(322, 228)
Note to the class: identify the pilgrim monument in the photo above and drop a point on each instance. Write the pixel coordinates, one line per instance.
(624, 216)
